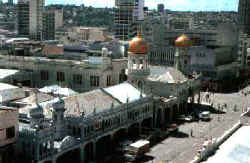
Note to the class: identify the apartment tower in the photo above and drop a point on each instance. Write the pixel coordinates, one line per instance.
(244, 16)
(23, 18)
(36, 8)
(128, 15)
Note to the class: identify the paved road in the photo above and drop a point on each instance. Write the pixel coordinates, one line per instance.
(181, 148)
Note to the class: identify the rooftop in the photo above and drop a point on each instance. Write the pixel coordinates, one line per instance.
(165, 75)
(4, 86)
(236, 149)
(89, 102)
(128, 92)
(7, 72)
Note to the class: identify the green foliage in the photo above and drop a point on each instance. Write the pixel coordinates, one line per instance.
(87, 16)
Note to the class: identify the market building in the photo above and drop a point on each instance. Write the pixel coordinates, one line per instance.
(87, 126)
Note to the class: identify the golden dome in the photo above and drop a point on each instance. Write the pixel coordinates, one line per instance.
(137, 45)
(183, 41)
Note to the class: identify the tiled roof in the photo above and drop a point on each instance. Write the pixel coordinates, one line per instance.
(96, 100)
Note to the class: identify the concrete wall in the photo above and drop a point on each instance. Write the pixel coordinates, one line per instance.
(201, 58)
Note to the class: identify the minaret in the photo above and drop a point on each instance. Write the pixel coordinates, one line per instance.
(177, 59)
(58, 119)
(138, 68)
(182, 60)
(36, 116)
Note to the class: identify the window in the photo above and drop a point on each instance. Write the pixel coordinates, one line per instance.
(94, 81)
(10, 132)
(60, 76)
(77, 79)
(108, 80)
(44, 75)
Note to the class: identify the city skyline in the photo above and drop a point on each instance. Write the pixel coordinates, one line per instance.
(176, 5)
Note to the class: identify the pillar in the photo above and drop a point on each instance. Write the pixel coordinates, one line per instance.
(82, 153)
(54, 160)
(152, 123)
(199, 97)
(140, 128)
(171, 114)
(94, 150)
(162, 116)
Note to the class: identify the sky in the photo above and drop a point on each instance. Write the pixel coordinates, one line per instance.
(178, 5)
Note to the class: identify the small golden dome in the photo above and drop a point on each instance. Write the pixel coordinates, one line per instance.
(137, 45)
(183, 41)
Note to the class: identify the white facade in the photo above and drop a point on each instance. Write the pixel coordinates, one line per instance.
(36, 8)
(138, 10)
(58, 18)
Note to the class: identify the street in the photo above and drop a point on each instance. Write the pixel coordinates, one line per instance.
(181, 147)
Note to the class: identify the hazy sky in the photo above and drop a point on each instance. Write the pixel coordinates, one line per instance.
(192, 5)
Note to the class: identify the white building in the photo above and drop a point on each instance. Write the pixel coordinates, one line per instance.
(36, 8)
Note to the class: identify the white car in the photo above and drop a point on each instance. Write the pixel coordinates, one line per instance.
(205, 116)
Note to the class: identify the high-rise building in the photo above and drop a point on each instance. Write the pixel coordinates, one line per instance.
(52, 20)
(244, 16)
(23, 18)
(10, 2)
(36, 8)
(128, 14)
(160, 8)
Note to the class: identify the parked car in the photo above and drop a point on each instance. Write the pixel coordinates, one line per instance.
(185, 118)
(205, 115)
(172, 127)
(123, 146)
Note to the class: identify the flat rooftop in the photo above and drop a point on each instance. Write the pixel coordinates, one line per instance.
(4, 86)
(7, 72)
(235, 150)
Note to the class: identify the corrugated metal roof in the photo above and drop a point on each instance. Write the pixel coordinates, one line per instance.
(123, 91)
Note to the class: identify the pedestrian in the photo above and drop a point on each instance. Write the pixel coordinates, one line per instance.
(235, 108)
(191, 132)
(219, 107)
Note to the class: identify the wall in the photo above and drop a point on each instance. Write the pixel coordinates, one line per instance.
(201, 58)
(69, 68)
(8, 119)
